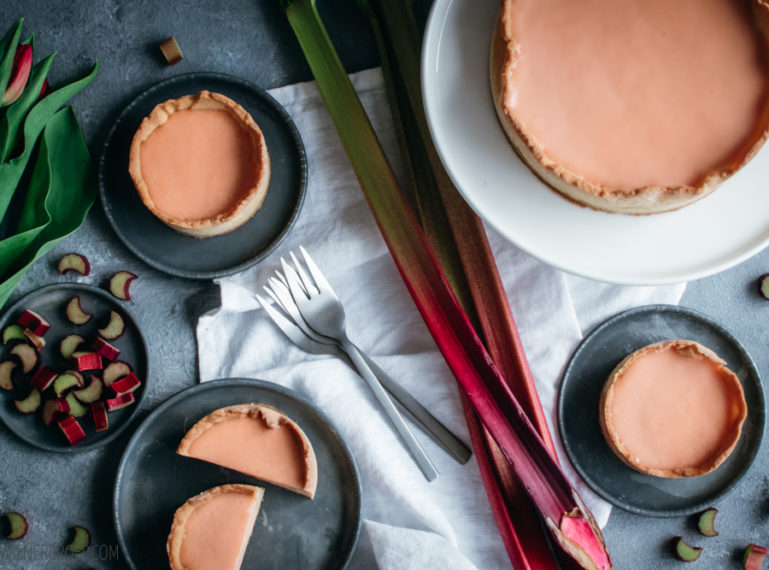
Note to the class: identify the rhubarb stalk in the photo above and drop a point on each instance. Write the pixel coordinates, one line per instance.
(569, 522)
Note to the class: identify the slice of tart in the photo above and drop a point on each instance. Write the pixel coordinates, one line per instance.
(672, 409)
(633, 107)
(200, 164)
(211, 530)
(258, 440)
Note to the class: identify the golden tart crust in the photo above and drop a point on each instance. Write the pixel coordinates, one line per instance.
(251, 199)
(504, 56)
(736, 409)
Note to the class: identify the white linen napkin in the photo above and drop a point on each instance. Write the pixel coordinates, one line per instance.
(408, 523)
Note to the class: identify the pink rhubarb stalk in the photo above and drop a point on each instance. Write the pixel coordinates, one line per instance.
(22, 64)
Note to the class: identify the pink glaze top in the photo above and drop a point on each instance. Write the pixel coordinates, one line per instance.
(630, 93)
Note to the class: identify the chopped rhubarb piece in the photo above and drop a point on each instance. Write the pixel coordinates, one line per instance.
(706, 522)
(37, 341)
(71, 429)
(27, 355)
(171, 50)
(119, 402)
(120, 283)
(53, 409)
(126, 385)
(75, 313)
(76, 409)
(30, 404)
(754, 557)
(69, 344)
(34, 322)
(13, 332)
(105, 349)
(100, 418)
(92, 392)
(79, 540)
(114, 371)
(67, 381)
(43, 378)
(74, 262)
(114, 328)
(15, 526)
(685, 552)
(87, 361)
(6, 374)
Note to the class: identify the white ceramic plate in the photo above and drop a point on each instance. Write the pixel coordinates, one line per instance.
(709, 236)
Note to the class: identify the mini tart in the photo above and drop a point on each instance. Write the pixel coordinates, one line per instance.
(258, 440)
(200, 164)
(645, 198)
(211, 530)
(672, 409)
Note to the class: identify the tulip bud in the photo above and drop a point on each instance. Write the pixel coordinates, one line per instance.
(22, 63)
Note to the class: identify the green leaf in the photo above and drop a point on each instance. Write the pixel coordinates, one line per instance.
(7, 52)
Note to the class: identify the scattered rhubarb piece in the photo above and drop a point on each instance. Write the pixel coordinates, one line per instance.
(30, 404)
(75, 313)
(92, 392)
(100, 417)
(126, 385)
(69, 345)
(43, 378)
(80, 539)
(120, 283)
(763, 285)
(114, 328)
(34, 322)
(13, 332)
(105, 349)
(37, 341)
(71, 429)
(115, 371)
(706, 522)
(171, 51)
(27, 355)
(87, 361)
(6, 374)
(74, 262)
(119, 402)
(53, 409)
(66, 381)
(15, 526)
(754, 557)
(686, 553)
(76, 409)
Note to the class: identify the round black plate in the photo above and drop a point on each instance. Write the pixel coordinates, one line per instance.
(584, 377)
(50, 302)
(291, 531)
(185, 256)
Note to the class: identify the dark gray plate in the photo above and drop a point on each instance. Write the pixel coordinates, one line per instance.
(584, 377)
(290, 532)
(50, 302)
(185, 256)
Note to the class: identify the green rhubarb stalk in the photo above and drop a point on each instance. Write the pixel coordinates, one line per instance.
(570, 523)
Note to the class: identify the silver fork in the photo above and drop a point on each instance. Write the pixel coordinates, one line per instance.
(322, 311)
(294, 327)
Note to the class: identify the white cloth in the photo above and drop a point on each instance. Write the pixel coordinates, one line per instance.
(408, 523)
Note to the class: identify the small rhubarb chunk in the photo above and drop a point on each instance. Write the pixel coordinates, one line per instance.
(54, 409)
(706, 522)
(754, 557)
(171, 50)
(76, 409)
(100, 417)
(74, 262)
(6, 374)
(30, 404)
(92, 392)
(87, 361)
(105, 349)
(119, 402)
(125, 385)
(685, 552)
(120, 283)
(27, 355)
(67, 381)
(71, 429)
(43, 378)
(79, 539)
(34, 322)
(69, 345)
(114, 328)
(37, 341)
(15, 526)
(75, 313)
(115, 371)
(13, 332)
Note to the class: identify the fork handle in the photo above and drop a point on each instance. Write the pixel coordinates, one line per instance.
(419, 454)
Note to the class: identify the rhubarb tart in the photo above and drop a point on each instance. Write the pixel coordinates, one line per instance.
(633, 107)
(211, 530)
(258, 440)
(200, 164)
(672, 409)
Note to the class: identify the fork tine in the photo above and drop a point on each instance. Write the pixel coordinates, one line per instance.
(275, 298)
(317, 274)
(307, 281)
(294, 282)
(282, 322)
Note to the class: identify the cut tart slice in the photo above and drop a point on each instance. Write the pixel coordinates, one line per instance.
(258, 440)
(211, 530)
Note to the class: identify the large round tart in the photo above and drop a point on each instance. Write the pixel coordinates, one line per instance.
(200, 164)
(633, 107)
